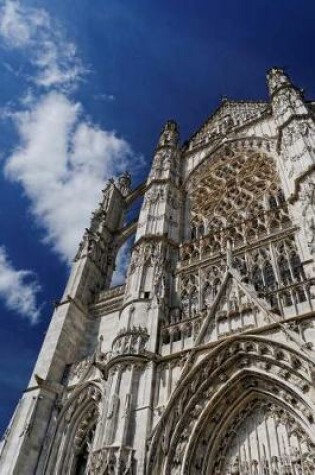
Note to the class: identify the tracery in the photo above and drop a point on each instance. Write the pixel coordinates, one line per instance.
(235, 197)
(227, 189)
(265, 439)
(75, 429)
(244, 409)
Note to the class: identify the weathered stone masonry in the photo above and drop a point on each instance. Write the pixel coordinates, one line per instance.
(203, 361)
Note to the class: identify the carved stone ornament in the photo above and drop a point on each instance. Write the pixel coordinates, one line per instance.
(123, 183)
(112, 461)
(203, 361)
(74, 430)
(201, 410)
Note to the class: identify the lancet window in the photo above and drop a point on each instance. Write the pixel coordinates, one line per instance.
(274, 270)
(211, 284)
(236, 197)
(277, 273)
(189, 295)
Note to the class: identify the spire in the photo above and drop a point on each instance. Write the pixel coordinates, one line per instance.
(123, 184)
(296, 154)
(165, 164)
(286, 99)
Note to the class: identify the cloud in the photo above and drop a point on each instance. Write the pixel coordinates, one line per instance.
(31, 30)
(122, 260)
(104, 97)
(17, 29)
(18, 289)
(62, 159)
(62, 163)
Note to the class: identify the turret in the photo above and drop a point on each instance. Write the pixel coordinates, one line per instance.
(278, 79)
(149, 285)
(296, 134)
(165, 164)
(159, 220)
(296, 155)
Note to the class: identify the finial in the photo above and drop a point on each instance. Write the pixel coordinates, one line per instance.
(276, 70)
(124, 182)
(170, 134)
(277, 78)
(170, 125)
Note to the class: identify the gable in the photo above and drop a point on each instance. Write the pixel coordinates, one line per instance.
(229, 117)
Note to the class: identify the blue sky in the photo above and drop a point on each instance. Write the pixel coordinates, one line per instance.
(85, 89)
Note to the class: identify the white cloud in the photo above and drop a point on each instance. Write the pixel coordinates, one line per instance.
(15, 29)
(32, 30)
(62, 160)
(122, 261)
(104, 97)
(62, 163)
(18, 289)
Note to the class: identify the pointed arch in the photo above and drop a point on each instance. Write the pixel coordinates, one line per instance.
(244, 367)
(74, 430)
(211, 448)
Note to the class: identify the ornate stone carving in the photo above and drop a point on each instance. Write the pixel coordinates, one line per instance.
(112, 461)
(230, 116)
(73, 429)
(124, 183)
(79, 368)
(307, 197)
(130, 341)
(282, 446)
(198, 392)
(210, 368)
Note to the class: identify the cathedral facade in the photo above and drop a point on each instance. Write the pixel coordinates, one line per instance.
(203, 361)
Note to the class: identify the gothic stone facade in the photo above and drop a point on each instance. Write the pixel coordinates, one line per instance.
(203, 362)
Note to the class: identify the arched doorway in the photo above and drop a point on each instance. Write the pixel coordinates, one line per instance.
(74, 433)
(264, 437)
(244, 409)
(80, 462)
